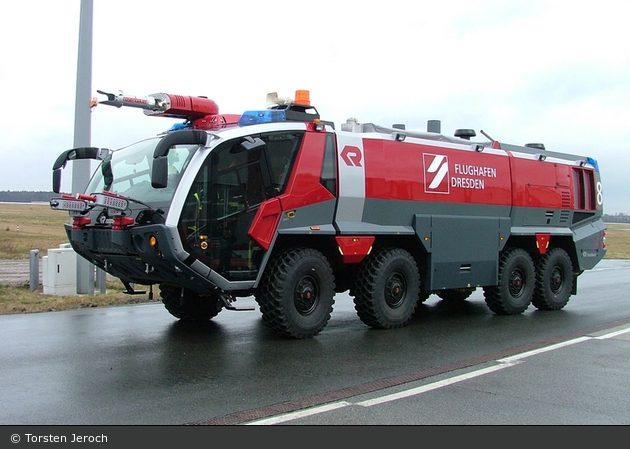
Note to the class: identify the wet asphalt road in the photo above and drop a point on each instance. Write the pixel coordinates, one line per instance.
(138, 365)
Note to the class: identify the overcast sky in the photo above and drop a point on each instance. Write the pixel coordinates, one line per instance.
(551, 71)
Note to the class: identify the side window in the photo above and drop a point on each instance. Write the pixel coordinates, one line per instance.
(328, 177)
(178, 158)
(237, 180)
(282, 148)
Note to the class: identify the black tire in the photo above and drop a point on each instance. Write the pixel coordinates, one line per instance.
(188, 305)
(387, 289)
(455, 294)
(515, 289)
(297, 292)
(554, 281)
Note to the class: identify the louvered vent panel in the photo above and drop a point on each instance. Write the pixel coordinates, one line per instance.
(566, 199)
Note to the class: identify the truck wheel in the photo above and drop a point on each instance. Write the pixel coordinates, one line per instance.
(456, 294)
(297, 293)
(387, 289)
(188, 305)
(515, 289)
(554, 283)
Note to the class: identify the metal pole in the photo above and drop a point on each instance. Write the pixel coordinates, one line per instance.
(81, 169)
(101, 280)
(33, 267)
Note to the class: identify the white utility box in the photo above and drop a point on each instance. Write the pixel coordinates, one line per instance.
(59, 271)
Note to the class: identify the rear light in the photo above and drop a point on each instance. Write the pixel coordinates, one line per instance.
(604, 240)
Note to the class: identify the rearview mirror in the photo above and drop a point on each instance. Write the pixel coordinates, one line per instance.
(159, 172)
(159, 168)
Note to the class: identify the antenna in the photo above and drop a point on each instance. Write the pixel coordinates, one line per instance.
(489, 138)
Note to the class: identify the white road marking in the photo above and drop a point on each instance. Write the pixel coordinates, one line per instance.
(505, 362)
(432, 386)
(299, 414)
(613, 334)
(523, 355)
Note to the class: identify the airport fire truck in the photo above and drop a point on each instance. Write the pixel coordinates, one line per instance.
(280, 205)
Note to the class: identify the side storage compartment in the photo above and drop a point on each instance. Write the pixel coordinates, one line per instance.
(463, 251)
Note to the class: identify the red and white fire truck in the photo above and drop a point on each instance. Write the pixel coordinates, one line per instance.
(279, 204)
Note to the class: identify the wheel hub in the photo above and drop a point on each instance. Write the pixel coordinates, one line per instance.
(556, 281)
(517, 282)
(395, 290)
(306, 295)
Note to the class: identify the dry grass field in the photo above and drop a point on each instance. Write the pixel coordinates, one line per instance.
(618, 241)
(24, 227)
(30, 226)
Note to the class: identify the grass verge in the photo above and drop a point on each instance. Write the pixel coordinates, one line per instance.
(20, 299)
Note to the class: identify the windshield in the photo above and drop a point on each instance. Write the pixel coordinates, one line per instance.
(130, 173)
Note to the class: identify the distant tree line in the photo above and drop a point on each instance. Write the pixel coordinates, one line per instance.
(617, 218)
(8, 196)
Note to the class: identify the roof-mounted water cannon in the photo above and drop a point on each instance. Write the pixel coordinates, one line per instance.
(152, 104)
(199, 112)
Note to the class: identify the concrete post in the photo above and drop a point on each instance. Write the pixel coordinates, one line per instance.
(33, 259)
(101, 280)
